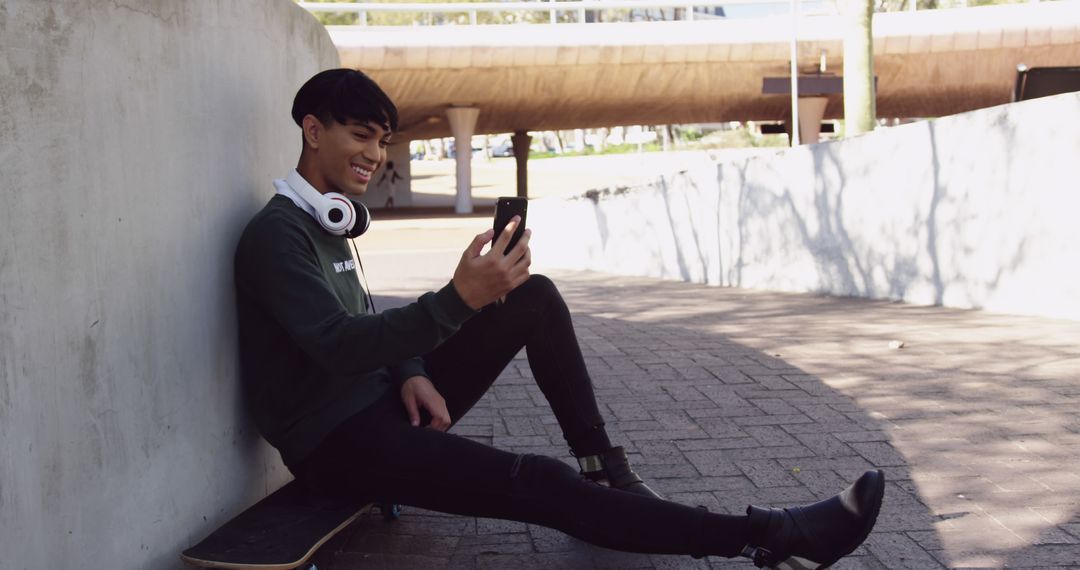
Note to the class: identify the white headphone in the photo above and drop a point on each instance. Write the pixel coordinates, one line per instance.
(336, 213)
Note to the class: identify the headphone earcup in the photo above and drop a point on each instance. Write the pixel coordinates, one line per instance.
(337, 214)
(363, 219)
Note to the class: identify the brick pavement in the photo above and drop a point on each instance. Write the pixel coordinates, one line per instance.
(726, 397)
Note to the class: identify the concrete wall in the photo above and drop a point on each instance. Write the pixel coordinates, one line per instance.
(136, 139)
(973, 210)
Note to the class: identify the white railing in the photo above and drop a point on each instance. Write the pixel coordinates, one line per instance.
(580, 8)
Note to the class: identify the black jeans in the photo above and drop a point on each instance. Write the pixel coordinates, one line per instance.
(378, 456)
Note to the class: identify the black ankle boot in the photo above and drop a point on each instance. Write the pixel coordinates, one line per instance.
(613, 467)
(817, 535)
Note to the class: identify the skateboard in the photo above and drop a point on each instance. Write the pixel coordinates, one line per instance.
(280, 532)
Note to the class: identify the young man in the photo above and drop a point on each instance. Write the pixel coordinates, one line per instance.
(359, 403)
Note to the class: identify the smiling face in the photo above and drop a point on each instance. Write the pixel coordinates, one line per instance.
(342, 157)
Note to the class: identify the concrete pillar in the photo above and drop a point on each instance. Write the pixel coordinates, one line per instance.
(811, 111)
(522, 141)
(463, 125)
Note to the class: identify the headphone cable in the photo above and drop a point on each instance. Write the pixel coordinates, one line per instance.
(366, 285)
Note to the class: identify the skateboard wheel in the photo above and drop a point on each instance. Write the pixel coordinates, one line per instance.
(390, 511)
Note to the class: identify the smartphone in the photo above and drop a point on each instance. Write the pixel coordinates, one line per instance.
(505, 209)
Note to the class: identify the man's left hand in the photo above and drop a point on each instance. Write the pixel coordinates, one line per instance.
(418, 392)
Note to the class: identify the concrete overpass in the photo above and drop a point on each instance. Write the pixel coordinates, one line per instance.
(463, 80)
(540, 76)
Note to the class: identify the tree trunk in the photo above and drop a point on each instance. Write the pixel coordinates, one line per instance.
(860, 107)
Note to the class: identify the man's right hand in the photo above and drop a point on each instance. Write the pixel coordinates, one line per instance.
(481, 279)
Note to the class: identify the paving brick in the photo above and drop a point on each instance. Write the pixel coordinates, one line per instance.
(704, 483)
(824, 445)
(774, 406)
(879, 453)
(719, 428)
(896, 550)
(628, 411)
(500, 527)
(554, 561)
(519, 425)
(713, 463)
(650, 472)
(346, 560)
(691, 390)
(414, 524)
(634, 425)
(672, 562)
(772, 452)
(510, 442)
(771, 435)
(660, 453)
(603, 558)
(1072, 528)
(730, 374)
(550, 540)
(861, 435)
(470, 548)
(830, 427)
(768, 420)
(776, 497)
(726, 443)
(674, 419)
(771, 382)
(848, 468)
(823, 483)
(767, 473)
(822, 413)
(1026, 523)
(668, 434)
(859, 563)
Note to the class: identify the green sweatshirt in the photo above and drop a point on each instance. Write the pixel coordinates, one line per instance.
(310, 355)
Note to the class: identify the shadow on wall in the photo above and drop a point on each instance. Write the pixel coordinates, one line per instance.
(963, 211)
(893, 263)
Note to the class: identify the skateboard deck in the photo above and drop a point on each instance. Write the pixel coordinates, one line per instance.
(280, 532)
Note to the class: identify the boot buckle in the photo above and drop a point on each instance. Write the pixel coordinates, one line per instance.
(762, 557)
(590, 463)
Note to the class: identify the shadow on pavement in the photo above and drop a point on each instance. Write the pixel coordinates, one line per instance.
(708, 421)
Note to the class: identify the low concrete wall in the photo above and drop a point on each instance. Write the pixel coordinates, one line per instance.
(136, 139)
(977, 210)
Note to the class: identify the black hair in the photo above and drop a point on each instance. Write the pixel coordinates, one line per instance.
(342, 95)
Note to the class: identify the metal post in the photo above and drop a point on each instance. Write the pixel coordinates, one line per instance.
(363, 18)
(472, 17)
(581, 16)
(690, 12)
(796, 140)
